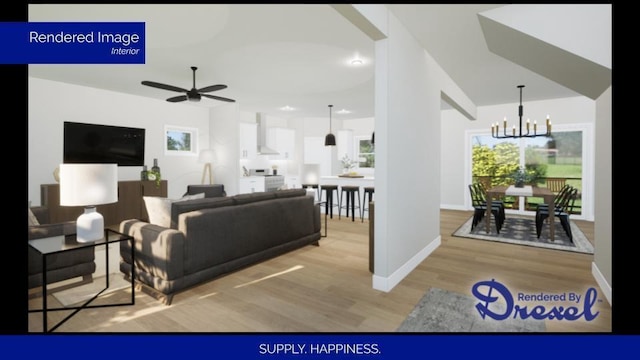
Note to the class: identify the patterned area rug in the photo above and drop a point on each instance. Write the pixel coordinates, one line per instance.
(445, 311)
(521, 230)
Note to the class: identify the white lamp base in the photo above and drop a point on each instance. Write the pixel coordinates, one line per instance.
(90, 225)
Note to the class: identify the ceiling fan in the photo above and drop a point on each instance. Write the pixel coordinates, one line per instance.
(193, 94)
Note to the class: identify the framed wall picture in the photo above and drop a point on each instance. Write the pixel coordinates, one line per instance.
(179, 140)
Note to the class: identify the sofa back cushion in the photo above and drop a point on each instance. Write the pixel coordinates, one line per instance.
(178, 208)
(290, 193)
(253, 197)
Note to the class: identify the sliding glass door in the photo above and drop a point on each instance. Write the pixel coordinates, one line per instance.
(549, 161)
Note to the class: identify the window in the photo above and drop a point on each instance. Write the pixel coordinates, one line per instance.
(564, 155)
(364, 152)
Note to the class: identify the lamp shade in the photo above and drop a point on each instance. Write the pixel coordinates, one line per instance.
(310, 173)
(329, 140)
(206, 156)
(88, 184)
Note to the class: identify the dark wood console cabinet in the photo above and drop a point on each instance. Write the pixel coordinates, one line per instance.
(130, 204)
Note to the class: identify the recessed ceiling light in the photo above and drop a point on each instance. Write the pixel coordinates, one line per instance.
(343, 111)
(287, 108)
(357, 62)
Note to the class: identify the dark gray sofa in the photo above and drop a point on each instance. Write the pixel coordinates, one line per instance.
(213, 236)
(64, 266)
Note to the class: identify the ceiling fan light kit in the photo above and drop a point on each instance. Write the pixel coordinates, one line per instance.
(191, 95)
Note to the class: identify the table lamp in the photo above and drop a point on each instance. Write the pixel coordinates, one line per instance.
(88, 185)
(206, 157)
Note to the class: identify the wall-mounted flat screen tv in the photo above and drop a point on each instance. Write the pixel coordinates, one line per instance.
(103, 144)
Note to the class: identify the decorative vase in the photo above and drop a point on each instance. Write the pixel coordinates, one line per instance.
(519, 184)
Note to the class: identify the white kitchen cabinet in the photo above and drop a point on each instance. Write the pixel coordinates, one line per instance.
(248, 140)
(282, 140)
(251, 184)
(344, 144)
(315, 153)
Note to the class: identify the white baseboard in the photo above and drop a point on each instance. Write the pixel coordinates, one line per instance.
(454, 207)
(387, 283)
(602, 282)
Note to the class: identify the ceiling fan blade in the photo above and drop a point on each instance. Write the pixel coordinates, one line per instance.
(177, 98)
(163, 86)
(218, 98)
(212, 88)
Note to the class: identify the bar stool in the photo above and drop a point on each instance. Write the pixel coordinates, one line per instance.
(367, 198)
(350, 191)
(313, 186)
(328, 193)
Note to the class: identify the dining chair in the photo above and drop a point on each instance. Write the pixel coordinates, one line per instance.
(481, 190)
(562, 212)
(556, 184)
(480, 208)
(557, 199)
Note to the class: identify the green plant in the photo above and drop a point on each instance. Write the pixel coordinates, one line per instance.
(521, 176)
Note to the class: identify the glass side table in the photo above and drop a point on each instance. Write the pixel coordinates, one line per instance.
(64, 243)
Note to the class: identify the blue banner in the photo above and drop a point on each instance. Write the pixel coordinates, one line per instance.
(72, 43)
(331, 346)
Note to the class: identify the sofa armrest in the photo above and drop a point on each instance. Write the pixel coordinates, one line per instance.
(159, 251)
(48, 230)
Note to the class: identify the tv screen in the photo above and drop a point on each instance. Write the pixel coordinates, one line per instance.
(103, 144)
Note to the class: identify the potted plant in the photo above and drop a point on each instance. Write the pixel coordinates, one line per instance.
(347, 164)
(520, 177)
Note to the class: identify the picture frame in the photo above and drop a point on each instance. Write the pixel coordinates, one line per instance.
(180, 140)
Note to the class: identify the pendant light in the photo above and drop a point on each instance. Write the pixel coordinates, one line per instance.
(330, 139)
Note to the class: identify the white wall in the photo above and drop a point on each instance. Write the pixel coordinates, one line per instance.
(455, 169)
(408, 90)
(224, 138)
(603, 203)
(52, 103)
(407, 123)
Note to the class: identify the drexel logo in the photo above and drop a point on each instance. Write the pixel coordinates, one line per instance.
(490, 292)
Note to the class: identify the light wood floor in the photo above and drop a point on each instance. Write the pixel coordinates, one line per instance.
(328, 288)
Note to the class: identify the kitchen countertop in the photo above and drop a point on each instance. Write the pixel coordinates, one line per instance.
(336, 177)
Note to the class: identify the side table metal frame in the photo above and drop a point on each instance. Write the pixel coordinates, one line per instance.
(320, 203)
(86, 304)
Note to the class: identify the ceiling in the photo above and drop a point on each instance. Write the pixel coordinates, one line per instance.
(276, 55)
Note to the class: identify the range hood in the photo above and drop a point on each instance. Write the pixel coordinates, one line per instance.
(263, 149)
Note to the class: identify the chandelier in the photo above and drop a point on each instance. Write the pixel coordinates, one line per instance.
(495, 128)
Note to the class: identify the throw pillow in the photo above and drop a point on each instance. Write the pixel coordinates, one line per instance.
(159, 208)
(33, 220)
